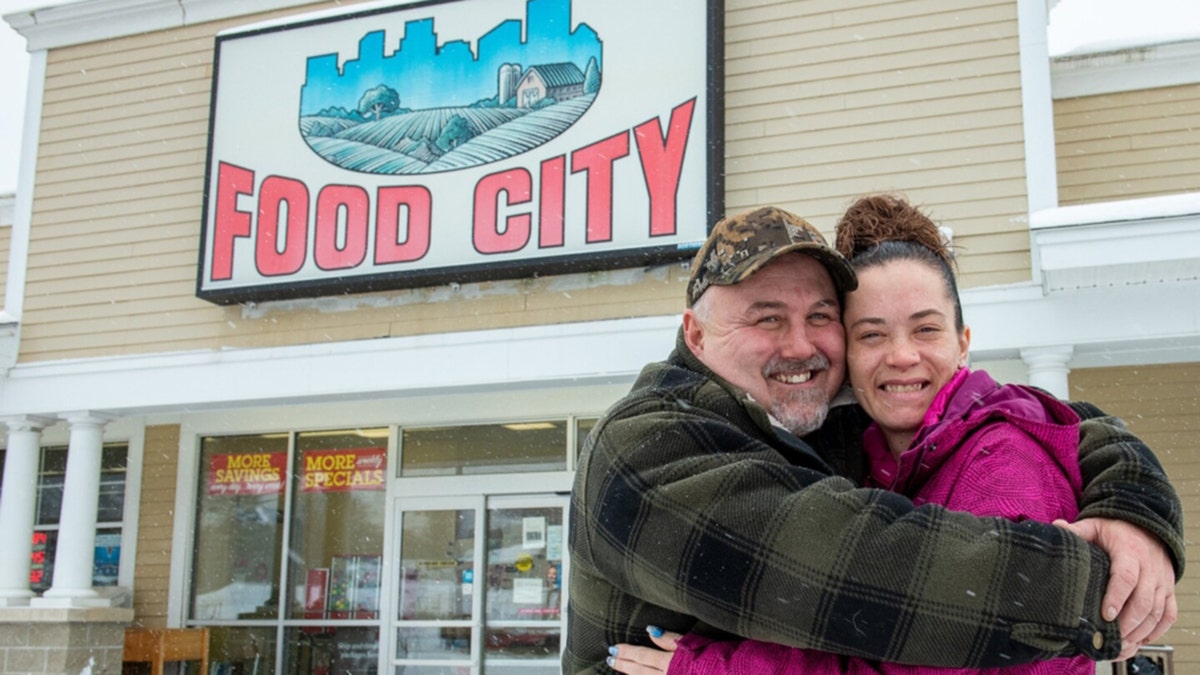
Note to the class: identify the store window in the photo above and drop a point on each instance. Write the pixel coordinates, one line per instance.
(290, 569)
(336, 551)
(239, 528)
(485, 448)
(333, 536)
(52, 472)
(583, 426)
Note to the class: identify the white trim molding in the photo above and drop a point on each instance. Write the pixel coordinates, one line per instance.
(1130, 69)
(1119, 282)
(93, 20)
(576, 354)
(1037, 106)
(1133, 242)
(1107, 327)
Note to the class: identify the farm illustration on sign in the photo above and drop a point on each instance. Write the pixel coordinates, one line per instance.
(429, 108)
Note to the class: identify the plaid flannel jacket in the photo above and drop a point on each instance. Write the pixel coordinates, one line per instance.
(692, 512)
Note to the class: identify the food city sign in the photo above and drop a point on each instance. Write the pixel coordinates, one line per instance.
(461, 140)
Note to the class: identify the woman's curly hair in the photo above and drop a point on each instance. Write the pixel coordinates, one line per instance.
(881, 228)
(874, 219)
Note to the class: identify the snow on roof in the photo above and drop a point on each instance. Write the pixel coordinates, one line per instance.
(1146, 208)
(1121, 44)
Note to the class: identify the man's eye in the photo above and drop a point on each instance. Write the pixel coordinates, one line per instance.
(820, 318)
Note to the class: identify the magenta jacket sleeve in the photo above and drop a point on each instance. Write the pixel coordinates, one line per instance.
(699, 655)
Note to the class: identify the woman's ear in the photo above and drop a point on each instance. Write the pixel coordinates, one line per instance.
(964, 345)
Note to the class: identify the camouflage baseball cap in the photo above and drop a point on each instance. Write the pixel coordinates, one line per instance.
(741, 245)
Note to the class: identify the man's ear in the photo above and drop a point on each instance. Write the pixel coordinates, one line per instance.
(693, 332)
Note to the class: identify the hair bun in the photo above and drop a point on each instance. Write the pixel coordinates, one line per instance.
(875, 219)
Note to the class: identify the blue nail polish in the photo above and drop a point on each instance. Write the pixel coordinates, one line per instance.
(654, 631)
(611, 661)
(612, 650)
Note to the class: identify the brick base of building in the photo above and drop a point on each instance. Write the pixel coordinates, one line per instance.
(67, 641)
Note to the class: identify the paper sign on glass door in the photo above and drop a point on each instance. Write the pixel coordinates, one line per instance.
(534, 532)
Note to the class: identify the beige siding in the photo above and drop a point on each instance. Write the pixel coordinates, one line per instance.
(1133, 144)
(826, 100)
(156, 517)
(1161, 405)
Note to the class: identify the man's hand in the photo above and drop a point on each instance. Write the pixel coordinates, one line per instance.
(1141, 587)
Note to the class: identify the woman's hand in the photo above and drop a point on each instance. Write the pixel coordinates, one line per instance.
(634, 660)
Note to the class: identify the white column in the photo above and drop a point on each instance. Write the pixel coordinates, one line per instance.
(73, 561)
(1048, 368)
(1037, 105)
(18, 499)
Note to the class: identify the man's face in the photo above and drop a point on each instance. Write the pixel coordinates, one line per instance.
(778, 336)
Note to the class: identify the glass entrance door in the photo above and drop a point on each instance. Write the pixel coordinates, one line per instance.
(480, 586)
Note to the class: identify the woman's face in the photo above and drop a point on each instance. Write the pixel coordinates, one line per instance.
(902, 345)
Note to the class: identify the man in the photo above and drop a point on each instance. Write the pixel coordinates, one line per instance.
(698, 507)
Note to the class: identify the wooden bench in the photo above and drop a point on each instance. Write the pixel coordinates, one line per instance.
(157, 646)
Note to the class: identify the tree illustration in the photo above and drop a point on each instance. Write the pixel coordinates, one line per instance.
(378, 101)
(457, 131)
(591, 77)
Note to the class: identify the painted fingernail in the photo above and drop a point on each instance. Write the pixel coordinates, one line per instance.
(611, 661)
(612, 650)
(654, 631)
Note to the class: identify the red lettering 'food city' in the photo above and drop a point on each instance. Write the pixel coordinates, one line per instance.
(337, 231)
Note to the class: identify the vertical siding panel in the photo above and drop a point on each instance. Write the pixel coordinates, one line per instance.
(156, 518)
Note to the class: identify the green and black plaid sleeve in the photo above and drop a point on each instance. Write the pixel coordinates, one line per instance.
(1123, 479)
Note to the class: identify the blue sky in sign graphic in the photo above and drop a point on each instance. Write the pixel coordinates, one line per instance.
(429, 75)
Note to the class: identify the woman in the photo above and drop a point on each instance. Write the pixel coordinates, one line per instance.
(942, 434)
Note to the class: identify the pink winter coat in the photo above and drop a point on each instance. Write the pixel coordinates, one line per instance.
(991, 450)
